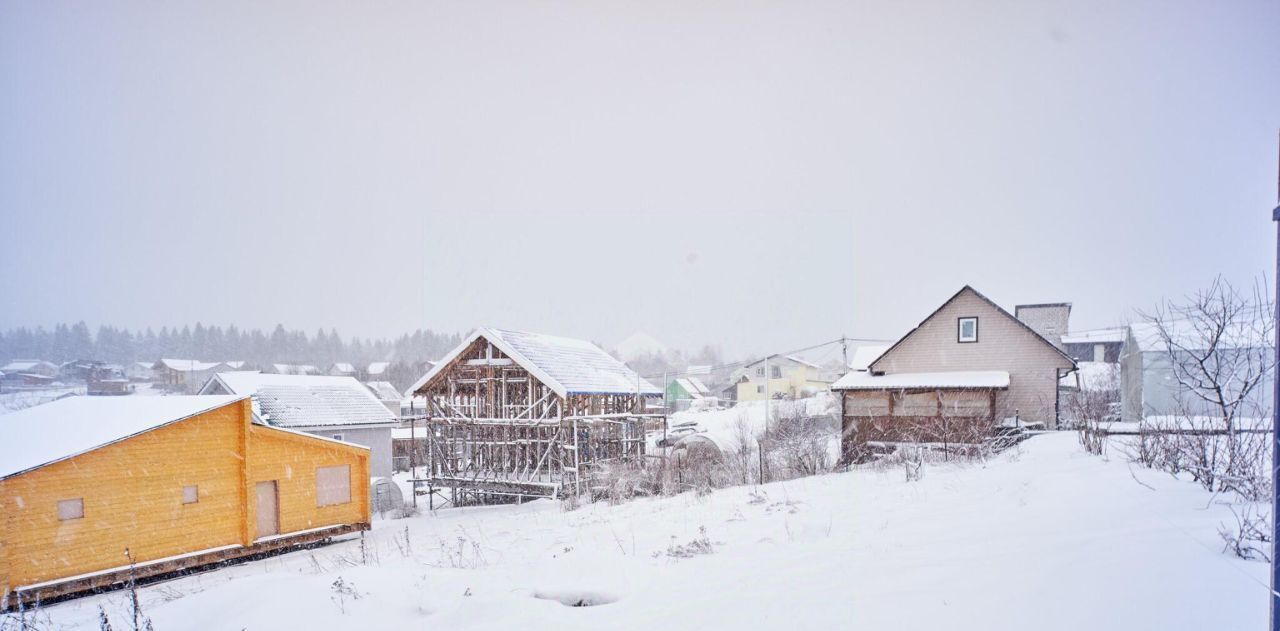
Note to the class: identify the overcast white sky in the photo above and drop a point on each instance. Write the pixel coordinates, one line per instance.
(758, 175)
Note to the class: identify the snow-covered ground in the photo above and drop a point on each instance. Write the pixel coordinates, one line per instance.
(1042, 537)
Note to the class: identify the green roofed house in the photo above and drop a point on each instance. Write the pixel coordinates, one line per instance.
(683, 391)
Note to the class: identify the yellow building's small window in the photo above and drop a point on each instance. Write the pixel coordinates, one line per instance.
(190, 494)
(71, 509)
(333, 485)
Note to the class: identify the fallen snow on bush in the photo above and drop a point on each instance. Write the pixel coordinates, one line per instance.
(1043, 537)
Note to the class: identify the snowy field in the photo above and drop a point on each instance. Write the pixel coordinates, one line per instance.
(1043, 537)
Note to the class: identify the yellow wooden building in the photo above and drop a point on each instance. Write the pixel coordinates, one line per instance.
(177, 482)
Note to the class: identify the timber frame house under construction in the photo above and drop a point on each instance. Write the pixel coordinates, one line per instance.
(514, 414)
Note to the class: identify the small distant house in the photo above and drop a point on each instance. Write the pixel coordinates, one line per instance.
(339, 408)
(377, 370)
(177, 481)
(106, 380)
(1097, 345)
(30, 366)
(780, 377)
(139, 371)
(386, 392)
(342, 369)
(184, 375)
(683, 391)
(28, 373)
(967, 365)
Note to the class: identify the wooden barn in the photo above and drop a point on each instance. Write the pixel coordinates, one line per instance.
(510, 413)
(91, 485)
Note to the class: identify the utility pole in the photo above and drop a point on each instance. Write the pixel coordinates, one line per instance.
(844, 350)
(767, 397)
(1275, 429)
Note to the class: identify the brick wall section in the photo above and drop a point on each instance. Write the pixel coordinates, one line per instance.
(1003, 344)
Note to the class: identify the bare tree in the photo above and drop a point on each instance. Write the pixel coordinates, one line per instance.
(1219, 346)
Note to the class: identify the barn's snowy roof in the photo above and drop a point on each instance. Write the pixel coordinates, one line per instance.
(565, 365)
(186, 365)
(304, 400)
(342, 367)
(864, 355)
(68, 427)
(384, 390)
(958, 379)
(377, 368)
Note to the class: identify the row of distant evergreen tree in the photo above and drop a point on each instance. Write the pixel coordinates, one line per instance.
(110, 344)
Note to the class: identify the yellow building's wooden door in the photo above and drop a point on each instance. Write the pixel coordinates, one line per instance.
(268, 509)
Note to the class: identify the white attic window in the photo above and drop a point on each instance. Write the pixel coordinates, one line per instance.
(71, 509)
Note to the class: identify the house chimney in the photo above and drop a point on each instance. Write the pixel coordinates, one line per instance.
(1048, 319)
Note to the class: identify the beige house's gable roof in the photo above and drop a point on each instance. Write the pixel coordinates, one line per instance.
(873, 367)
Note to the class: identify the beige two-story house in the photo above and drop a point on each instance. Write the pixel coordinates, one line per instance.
(967, 366)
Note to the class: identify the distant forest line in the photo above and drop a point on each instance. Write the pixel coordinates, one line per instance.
(66, 342)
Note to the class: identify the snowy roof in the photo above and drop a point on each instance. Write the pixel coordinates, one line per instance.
(295, 369)
(864, 355)
(377, 368)
(993, 305)
(384, 390)
(237, 364)
(22, 365)
(1094, 336)
(186, 365)
(304, 400)
(693, 386)
(701, 369)
(565, 365)
(342, 367)
(68, 427)
(792, 358)
(1185, 334)
(1093, 377)
(857, 380)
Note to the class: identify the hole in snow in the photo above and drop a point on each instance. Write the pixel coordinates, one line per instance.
(577, 598)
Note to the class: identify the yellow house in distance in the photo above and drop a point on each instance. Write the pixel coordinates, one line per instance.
(177, 482)
(787, 377)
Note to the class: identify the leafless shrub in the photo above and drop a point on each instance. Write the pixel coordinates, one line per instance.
(798, 444)
(1250, 536)
(462, 552)
(1092, 438)
(342, 592)
(698, 546)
